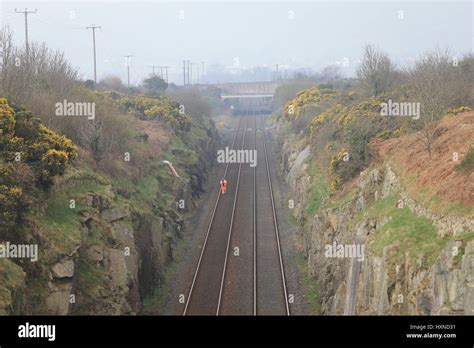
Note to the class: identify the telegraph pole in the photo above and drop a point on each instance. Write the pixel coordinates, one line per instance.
(26, 13)
(187, 71)
(165, 68)
(93, 43)
(184, 73)
(190, 82)
(153, 68)
(128, 68)
(202, 73)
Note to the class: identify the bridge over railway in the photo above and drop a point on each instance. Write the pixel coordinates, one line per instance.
(239, 95)
(248, 88)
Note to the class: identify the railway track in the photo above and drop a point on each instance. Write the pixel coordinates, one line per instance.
(272, 294)
(240, 270)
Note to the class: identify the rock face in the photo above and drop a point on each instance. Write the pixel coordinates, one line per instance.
(111, 275)
(106, 256)
(119, 258)
(391, 282)
(113, 214)
(63, 269)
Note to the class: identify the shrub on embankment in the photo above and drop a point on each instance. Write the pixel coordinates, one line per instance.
(79, 187)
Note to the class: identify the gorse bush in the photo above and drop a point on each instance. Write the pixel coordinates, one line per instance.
(342, 125)
(455, 111)
(24, 139)
(163, 108)
(307, 103)
(31, 155)
(343, 121)
(13, 206)
(308, 100)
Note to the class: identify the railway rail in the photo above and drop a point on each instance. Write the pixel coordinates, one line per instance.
(245, 217)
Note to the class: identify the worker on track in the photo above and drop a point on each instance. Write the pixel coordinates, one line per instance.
(223, 185)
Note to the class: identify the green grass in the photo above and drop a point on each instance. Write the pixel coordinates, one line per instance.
(91, 276)
(319, 190)
(459, 209)
(123, 185)
(61, 224)
(313, 293)
(147, 188)
(411, 234)
(91, 282)
(467, 164)
(81, 189)
(179, 153)
(12, 277)
(291, 218)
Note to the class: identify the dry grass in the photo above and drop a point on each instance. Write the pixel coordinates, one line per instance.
(435, 181)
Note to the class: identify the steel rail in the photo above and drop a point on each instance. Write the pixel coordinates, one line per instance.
(255, 219)
(275, 221)
(210, 224)
(231, 221)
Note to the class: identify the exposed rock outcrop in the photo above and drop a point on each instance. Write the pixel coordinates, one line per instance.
(437, 279)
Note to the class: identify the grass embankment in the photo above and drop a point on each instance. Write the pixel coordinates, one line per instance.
(319, 190)
(60, 224)
(412, 235)
(13, 278)
(313, 294)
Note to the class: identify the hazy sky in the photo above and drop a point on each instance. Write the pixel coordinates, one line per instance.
(309, 34)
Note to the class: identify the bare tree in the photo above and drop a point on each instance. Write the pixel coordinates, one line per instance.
(112, 83)
(434, 83)
(330, 73)
(43, 71)
(376, 71)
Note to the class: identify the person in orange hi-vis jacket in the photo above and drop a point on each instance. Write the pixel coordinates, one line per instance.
(223, 186)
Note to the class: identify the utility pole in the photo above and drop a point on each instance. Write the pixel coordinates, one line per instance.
(26, 13)
(190, 72)
(277, 75)
(93, 43)
(202, 73)
(153, 68)
(187, 70)
(165, 68)
(184, 73)
(128, 68)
